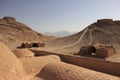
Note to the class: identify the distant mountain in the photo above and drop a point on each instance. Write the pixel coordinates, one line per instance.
(59, 33)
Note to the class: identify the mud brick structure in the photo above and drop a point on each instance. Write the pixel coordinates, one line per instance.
(32, 44)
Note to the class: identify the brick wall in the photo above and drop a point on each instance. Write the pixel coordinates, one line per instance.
(91, 63)
(95, 64)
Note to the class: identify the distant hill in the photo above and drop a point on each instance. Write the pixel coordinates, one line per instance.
(59, 33)
(104, 31)
(13, 33)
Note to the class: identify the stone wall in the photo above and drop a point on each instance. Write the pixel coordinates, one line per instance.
(9, 19)
(32, 44)
(117, 22)
(95, 64)
(103, 22)
(91, 63)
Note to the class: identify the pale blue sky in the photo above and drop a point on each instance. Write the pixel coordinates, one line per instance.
(57, 15)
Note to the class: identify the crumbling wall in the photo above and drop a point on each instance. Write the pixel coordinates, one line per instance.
(41, 44)
(86, 50)
(105, 52)
(42, 53)
(99, 51)
(102, 22)
(91, 63)
(32, 44)
(26, 45)
(117, 22)
(95, 64)
(9, 19)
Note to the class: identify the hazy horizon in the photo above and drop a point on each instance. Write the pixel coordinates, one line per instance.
(59, 15)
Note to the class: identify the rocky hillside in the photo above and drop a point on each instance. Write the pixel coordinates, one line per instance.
(104, 31)
(13, 33)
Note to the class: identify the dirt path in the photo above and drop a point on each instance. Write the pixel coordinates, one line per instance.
(78, 41)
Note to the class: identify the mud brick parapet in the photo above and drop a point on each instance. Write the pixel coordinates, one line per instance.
(112, 68)
(94, 64)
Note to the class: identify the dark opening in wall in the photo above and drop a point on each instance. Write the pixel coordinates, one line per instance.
(93, 49)
(23, 45)
(35, 45)
(87, 50)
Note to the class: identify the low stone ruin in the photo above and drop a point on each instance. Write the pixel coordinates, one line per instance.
(100, 51)
(105, 22)
(87, 50)
(9, 19)
(117, 22)
(105, 51)
(32, 44)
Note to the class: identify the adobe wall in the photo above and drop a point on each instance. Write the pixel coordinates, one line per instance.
(117, 22)
(91, 63)
(42, 53)
(102, 22)
(95, 64)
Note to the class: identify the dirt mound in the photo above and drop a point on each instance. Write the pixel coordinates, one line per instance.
(10, 66)
(13, 33)
(33, 66)
(64, 71)
(23, 53)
